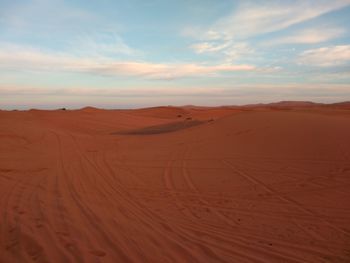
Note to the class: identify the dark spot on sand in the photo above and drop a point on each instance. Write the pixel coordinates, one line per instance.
(163, 128)
(98, 253)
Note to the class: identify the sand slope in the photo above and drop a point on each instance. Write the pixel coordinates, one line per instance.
(260, 185)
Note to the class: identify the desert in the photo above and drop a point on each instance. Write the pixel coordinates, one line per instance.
(260, 183)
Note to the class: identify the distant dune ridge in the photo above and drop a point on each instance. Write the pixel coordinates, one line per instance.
(255, 183)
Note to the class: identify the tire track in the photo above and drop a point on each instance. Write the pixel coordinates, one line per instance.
(89, 216)
(194, 189)
(146, 217)
(228, 221)
(170, 187)
(284, 198)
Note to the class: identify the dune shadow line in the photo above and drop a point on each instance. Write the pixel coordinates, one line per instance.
(163, 128)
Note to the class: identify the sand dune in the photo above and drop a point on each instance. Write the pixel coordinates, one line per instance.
(226, 184)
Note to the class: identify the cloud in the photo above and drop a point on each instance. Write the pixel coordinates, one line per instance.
(308, 36)
(239, 90)
(237, 50)
(333, 76)
(252, 19)
(168, 71)
(46, 17)
(228, 50)
(229, 37)
(326, 56)
(101, 44)
(23, 58)
(63, 25)
(208, 47)
(110, 92)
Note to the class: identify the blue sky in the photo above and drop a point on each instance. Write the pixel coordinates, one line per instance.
(120, 54)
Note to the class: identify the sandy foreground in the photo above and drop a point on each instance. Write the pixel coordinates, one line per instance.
(167, 184)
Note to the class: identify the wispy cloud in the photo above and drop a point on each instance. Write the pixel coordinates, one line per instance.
(237, 50)
(326, 56)
(112, 92)
(169, 71)
(230, 36)
(23, 58)
(45, 16)
(229, 50)
(64, 26)
(308, 36)
(241, 90)
(252, 19)
(108, 44)
(208, 47)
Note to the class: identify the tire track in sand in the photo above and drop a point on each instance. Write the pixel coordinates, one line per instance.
(146, 217)
(239, 242)
(284, 198)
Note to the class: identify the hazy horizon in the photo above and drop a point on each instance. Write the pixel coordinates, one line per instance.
(116, 54)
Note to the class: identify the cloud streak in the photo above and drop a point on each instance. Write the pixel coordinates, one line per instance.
(20, 58)
(326, 56)
(229, 37)
(44, 16)
(249, 90)
(252, 19)
(308, 36)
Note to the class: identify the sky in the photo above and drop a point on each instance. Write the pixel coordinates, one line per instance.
(136, 53)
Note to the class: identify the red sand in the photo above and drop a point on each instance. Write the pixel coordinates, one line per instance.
(256, 184)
